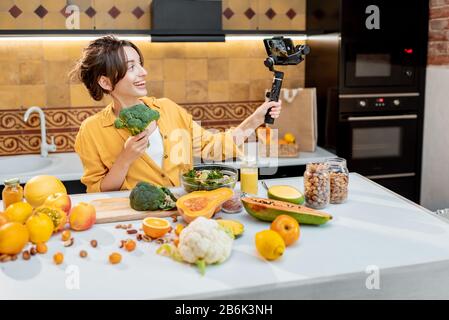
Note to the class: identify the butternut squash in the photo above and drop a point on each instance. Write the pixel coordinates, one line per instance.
(202, 203)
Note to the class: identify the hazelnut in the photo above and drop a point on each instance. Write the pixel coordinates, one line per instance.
(26, 255)
(69, 242)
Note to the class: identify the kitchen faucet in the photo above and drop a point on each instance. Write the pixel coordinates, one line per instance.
(45, 147)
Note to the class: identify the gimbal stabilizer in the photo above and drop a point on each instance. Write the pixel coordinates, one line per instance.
(281, 51)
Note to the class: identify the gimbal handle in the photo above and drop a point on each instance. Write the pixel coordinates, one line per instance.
(273, 95)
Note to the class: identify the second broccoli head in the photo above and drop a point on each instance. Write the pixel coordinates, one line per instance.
(136, 118)
(148, 197)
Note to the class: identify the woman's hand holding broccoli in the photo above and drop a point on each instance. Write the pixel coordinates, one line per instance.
(136, 145)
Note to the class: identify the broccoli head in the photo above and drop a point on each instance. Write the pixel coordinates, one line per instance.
(147, 197)
(136, 118)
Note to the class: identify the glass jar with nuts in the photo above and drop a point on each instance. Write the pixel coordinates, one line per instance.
(339, 180)
(317, 185)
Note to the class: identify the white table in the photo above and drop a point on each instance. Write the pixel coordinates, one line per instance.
(374, 230)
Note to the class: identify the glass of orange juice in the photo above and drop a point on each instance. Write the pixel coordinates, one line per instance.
(249, 177)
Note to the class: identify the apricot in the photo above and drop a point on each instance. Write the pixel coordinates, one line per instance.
(58, 258)
(59, 200)
(41, 248)
(130, 245)
(82, 216)
(115, 258)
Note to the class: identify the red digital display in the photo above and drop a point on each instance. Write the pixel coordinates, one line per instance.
(380, 100)
(408, 51)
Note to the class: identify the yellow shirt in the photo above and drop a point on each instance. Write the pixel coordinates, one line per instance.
(99, 143)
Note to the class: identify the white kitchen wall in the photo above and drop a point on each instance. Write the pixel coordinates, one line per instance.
(435, 170)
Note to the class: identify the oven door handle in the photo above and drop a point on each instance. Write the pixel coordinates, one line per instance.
(381, 118)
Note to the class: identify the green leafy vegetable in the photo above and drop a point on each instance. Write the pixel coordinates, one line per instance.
(208, 179)
(215, 174)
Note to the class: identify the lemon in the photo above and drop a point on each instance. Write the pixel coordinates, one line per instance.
(40, 227)
(19, 212)
(13, 238)
(269, 244)
(289, 137)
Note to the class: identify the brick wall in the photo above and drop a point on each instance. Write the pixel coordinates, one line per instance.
(438, 53)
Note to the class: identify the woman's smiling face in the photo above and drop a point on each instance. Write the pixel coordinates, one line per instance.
(133, 85)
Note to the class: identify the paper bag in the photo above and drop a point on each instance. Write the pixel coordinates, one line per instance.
(299, 117)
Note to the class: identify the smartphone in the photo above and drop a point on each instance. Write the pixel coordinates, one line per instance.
(279, 47)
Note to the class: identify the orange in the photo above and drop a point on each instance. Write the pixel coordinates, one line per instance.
(19, 212)
(13, 238)
(40, 227)
(287, 227)
(155, 227)
(289, 137)
(269, 244)
(3, 218)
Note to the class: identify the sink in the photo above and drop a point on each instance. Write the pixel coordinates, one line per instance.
(23, 164)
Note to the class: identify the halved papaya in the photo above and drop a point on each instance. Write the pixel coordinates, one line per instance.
(268, 210)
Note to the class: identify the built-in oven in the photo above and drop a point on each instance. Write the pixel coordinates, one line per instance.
(379, 144)
(378, 136)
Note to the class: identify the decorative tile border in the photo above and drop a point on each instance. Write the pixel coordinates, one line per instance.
(113, 12)
(18, 137)
(136, 14)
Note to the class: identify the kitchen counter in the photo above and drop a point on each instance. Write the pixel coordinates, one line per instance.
(376, 232)
(68, 167)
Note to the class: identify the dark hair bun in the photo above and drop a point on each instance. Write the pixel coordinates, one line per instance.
(104, 56)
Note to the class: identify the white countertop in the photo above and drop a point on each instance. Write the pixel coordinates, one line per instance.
(375, 227)
(68, 167)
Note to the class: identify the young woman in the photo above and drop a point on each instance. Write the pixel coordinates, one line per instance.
(115, 160)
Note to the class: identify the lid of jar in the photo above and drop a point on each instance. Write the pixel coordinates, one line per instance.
(12, 181)
(337, 161)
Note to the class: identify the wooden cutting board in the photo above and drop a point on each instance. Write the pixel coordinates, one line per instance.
(118, 209)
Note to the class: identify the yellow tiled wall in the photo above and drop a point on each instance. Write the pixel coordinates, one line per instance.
(136, 15)
(35, 73)
(191, 72)
(229, 76)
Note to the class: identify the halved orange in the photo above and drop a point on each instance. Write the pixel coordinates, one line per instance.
(155, 227)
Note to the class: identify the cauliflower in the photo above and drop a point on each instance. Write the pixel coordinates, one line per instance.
(202, 242)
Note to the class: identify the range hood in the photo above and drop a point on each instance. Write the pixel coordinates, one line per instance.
(186, 20)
